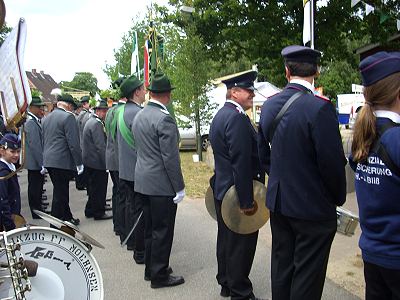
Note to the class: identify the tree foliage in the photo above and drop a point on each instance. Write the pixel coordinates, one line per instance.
(83, 81)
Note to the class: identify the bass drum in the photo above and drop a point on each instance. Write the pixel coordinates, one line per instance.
(66, 268)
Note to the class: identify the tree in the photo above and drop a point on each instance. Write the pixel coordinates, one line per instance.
(4, 31)
(83, 81)
(189, 71)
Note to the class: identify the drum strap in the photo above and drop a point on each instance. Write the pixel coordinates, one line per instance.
(380, 150)
(282, 112)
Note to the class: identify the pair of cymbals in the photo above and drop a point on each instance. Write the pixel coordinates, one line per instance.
(69, 228)
(232, 215)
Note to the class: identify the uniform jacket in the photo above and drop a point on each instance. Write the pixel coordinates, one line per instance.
(94, 144)
(127, 154)
(234, 143)
(10, 199)
(61, 140)
(305, 162)
(378, 194)
(158, 169)
(82, 118)
(112, 145)
(33, 144)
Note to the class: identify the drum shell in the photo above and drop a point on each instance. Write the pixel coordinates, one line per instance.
(346, 221)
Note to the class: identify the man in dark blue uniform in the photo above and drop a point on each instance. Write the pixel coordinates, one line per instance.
(305, 162)
(234, 143)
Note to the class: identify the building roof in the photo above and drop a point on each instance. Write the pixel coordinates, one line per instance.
(44, 83)
(392, 44)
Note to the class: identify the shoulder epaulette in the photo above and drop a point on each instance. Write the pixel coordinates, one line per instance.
(323, 98)
(70, 112)
(273, 95)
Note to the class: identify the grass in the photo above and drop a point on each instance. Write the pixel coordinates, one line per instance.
(195, 175)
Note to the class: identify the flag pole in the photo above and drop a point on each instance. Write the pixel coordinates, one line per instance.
(312, 23)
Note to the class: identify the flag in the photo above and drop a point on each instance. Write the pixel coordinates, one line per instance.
(307, 21)
(135, 57)
(146, 63)
(354, 2)
(368, 9)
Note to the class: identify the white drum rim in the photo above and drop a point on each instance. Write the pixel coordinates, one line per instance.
(17, 230)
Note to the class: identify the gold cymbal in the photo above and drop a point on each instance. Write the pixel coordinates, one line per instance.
(240, 222)
(210, 205)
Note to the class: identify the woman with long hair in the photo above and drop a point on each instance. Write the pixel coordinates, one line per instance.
(376, 161)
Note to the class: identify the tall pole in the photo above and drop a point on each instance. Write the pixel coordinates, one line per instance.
(312, 23)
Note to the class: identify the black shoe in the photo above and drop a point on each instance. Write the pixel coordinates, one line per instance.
(169, 281)
(147, 277)
(75, 221)
(104, 217)
(225, 292)
(138, 256)
(87, 215)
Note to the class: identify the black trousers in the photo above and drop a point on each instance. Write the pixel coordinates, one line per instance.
(60, 204)
(133, 208)
(159, 212)
(114, 199)
(97, 181)
(381, 283)
(300, 252)
(35, 189)
(81, 181)
(235, 255)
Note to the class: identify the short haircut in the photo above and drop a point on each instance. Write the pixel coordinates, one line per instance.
(301, 69)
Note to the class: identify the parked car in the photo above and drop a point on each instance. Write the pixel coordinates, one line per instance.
(188, 138)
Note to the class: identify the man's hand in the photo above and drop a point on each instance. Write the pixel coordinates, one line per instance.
(79, 169)
(179, 196)
(251, 210)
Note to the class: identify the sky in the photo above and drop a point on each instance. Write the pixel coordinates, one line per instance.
(68, 36)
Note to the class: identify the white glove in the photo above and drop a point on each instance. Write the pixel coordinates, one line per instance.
(43, 170)
(79, 169)
(179, 196)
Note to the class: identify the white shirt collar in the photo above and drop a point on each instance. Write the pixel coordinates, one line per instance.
(238, 106)
(33, 116)
(304, 83)
(159, 103)
(9, 165)
(395, 117)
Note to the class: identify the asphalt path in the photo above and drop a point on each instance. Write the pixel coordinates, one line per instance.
(193, 254)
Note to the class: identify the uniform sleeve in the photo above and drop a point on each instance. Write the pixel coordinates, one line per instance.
(6, 219)
(264, 150)
(99, 140)
(168, 140)
(32, 137)
(238, 139)
(329, 152)
(72, 136)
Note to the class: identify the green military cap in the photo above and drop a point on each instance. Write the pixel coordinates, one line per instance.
(37, 101)
(160, 84)
(84, 99)
(102, 103)
(68, 99)
(129, 85)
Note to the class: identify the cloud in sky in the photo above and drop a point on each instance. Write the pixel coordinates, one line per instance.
(68, 36)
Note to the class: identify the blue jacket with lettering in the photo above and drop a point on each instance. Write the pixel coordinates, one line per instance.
(10, 199)
(378, 196)
(305, 159)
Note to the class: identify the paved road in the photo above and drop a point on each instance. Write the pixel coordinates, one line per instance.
(193, 254)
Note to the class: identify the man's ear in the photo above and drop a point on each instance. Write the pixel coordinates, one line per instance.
(287, 73)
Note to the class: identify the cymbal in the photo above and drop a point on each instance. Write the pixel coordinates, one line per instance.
(240, 222)
(69, 228)
(210, 205)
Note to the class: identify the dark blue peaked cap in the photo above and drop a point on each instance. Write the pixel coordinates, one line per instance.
(245, 81)
(10, 141)
(300, 54)
(378, 66)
